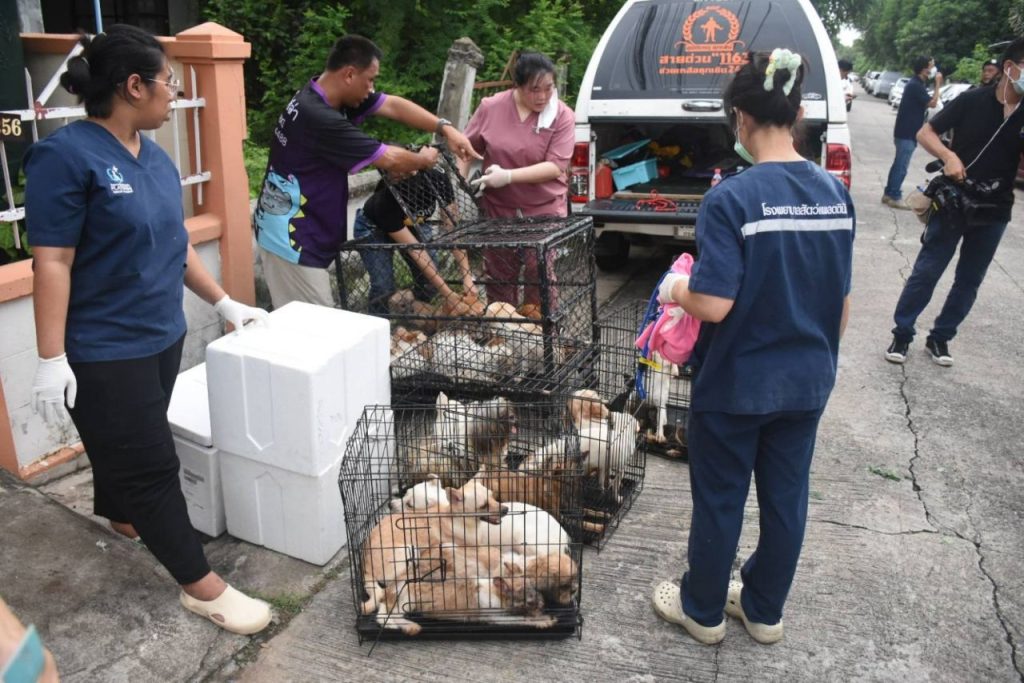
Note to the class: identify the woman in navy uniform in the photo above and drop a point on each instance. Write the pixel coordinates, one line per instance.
(772, 288)
(111, 256)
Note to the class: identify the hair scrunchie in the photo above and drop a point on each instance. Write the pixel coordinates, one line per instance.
(781, 58)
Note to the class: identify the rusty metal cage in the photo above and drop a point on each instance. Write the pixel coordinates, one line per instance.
(532, 274)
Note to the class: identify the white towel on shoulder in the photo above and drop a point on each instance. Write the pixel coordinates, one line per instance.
(547, 117)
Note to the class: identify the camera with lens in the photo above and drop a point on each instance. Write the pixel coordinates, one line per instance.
(960, 201)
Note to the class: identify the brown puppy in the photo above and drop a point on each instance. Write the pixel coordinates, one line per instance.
(531, 311)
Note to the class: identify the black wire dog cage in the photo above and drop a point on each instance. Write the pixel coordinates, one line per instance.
(463, 521)
(660, 396)
(480, 361)
(512, 274)
(597, 401)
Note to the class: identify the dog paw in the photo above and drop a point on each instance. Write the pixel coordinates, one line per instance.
(545, 621)
(411, 628)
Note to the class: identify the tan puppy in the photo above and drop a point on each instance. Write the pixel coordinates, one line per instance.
(470, 593)
(408, 541)
(554, 575)
(516, 322)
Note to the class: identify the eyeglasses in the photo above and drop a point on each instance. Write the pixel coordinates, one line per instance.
(174, 85)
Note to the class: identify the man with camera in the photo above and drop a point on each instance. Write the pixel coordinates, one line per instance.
(974, 207)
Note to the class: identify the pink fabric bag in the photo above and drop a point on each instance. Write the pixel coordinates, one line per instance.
(674, 332)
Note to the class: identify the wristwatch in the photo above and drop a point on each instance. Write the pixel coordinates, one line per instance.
(441, 123)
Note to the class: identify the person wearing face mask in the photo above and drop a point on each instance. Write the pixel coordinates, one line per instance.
(526, 136)
(772, 287)
(986, 125)
(302, 213)
(908, 121)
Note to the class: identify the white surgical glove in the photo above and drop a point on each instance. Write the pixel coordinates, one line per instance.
(238, 313)
(494, 177)
(53, 382)
(668, 284)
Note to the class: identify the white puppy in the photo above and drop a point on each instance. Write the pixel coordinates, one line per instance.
(526, 530)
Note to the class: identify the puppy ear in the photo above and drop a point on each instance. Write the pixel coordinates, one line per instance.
(502, 585)
(512, 568)
(442, 399)
(431, 475)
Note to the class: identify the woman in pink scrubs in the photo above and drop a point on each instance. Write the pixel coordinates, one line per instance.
(526, 135)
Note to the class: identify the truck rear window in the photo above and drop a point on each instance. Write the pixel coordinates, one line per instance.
(671, 49)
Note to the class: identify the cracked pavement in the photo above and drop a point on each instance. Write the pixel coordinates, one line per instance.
(911, 568)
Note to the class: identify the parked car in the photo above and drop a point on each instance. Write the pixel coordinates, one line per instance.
(947, 94)
(885, 82)
(651, 100)
(897, 92)
(869, 81)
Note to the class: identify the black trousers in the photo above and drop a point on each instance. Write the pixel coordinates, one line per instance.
(121, 416)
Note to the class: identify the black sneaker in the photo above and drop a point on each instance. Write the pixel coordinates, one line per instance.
(897, 352)
(939, 351)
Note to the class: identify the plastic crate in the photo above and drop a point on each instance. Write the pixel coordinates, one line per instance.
(634, 174)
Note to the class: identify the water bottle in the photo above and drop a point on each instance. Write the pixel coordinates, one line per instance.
(717, 178)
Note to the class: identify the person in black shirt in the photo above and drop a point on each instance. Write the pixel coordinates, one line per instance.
(986, 125)
(989, 72)
(384, 219)
(908, 121)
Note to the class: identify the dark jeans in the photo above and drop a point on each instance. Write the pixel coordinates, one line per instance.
(939, 244)
(898, 170)
(724, 450)
(121, 415)
(380, 265)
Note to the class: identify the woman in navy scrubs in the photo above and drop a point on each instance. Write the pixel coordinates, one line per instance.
(111, 253)
(771, 287)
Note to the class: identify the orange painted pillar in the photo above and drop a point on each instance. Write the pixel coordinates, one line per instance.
(217, 54)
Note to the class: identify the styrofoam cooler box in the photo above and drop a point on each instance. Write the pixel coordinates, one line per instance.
(291, 513)
(289, 395)
(189, 417)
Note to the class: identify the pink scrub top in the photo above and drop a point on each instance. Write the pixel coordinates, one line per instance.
(496, 132)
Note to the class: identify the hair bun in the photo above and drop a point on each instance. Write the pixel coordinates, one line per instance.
(77, 78)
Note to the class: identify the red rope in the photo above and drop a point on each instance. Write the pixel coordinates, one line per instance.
(655, 202)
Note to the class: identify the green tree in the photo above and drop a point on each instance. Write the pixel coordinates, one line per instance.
(968, 69)
(291, 38)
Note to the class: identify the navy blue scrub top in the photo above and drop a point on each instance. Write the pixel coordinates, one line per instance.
(124, 218)
(777, 239)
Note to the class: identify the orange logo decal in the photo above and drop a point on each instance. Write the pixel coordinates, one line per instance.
(718, 30)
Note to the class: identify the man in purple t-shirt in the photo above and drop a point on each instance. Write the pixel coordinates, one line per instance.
(301, 216)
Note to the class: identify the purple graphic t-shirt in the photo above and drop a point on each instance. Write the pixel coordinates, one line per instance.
(302, 211)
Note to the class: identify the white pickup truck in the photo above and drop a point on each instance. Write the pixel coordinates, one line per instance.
(656, 78)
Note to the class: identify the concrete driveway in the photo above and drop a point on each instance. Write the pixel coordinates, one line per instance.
(912, 568)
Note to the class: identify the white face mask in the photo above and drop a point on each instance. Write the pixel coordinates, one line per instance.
(1018, 84)
(931, 72)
